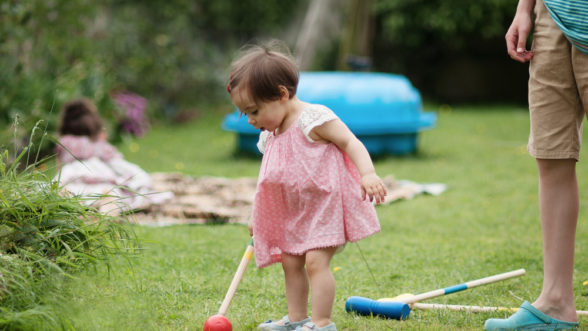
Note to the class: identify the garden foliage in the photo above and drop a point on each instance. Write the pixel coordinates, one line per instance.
(452, 50)
(174, 53)
(453, 23)
(45, 237)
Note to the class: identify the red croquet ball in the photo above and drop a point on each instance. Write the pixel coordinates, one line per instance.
(218, 323)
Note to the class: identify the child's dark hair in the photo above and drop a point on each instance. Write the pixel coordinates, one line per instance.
(261, 70)
(80, 118)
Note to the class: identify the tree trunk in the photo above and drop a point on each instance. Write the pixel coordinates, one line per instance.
(356, 42)
(321, 25)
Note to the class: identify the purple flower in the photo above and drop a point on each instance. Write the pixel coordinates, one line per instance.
(133, 120)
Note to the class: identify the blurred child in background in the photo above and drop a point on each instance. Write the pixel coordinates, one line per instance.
(92, 168)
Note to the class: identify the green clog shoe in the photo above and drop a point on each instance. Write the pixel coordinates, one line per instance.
(528, 318)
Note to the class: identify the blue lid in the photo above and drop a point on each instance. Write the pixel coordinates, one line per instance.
(368, 103)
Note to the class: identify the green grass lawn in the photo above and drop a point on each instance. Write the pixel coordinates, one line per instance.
(485, 223)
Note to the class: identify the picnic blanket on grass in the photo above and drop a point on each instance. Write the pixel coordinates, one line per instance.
(203, 200)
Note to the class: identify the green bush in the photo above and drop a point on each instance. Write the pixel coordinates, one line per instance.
(47, 57)
(452, 50)
(45, 237)
(174, 53)
(452, 23)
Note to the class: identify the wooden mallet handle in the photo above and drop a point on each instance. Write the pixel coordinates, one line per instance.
(475, 309)
(236, 279)
(464, 286)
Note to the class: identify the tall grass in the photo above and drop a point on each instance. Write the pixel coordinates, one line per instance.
(46, 236)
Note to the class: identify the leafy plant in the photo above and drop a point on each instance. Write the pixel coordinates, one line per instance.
(45, 237)
(451, 50)
(454, 23)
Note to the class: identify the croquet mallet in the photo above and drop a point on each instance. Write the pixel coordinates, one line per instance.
(398, 307)
(219, 322)
(473, 309)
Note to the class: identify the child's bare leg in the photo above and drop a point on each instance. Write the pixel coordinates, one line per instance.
(296, 286)
(322, 284)
(558, 201)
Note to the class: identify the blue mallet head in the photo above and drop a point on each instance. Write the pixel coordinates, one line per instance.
(388, 309)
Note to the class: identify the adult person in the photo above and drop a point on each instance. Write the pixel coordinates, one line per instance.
(558, 103)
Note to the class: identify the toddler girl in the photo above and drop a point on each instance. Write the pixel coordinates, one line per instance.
(92, 168)
(315, 187)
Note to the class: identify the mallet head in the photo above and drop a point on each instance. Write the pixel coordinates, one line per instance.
(217, 323)
(365, 306)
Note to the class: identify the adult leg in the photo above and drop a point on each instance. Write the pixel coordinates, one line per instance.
(296, 286)
(322, 284)
(558, 205)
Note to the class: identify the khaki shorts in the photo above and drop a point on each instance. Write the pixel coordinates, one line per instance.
(558, 91)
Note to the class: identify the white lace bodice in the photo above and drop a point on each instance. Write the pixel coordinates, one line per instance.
(310, 118)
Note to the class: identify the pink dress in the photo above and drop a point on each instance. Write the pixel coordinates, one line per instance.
(308, 193)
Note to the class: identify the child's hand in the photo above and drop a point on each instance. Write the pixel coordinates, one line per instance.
(372, 188)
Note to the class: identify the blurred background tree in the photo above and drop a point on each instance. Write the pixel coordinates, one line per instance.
(172, 52)
(175, 53)
(452, 50)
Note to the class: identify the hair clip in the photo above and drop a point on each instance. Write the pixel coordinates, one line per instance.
(229, 83)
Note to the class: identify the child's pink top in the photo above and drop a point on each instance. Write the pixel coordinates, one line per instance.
(83, 148)
(308, 193)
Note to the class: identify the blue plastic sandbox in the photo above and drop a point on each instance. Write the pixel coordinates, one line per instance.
(383, 110)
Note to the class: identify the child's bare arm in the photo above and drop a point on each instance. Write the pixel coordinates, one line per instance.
(337, 132)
